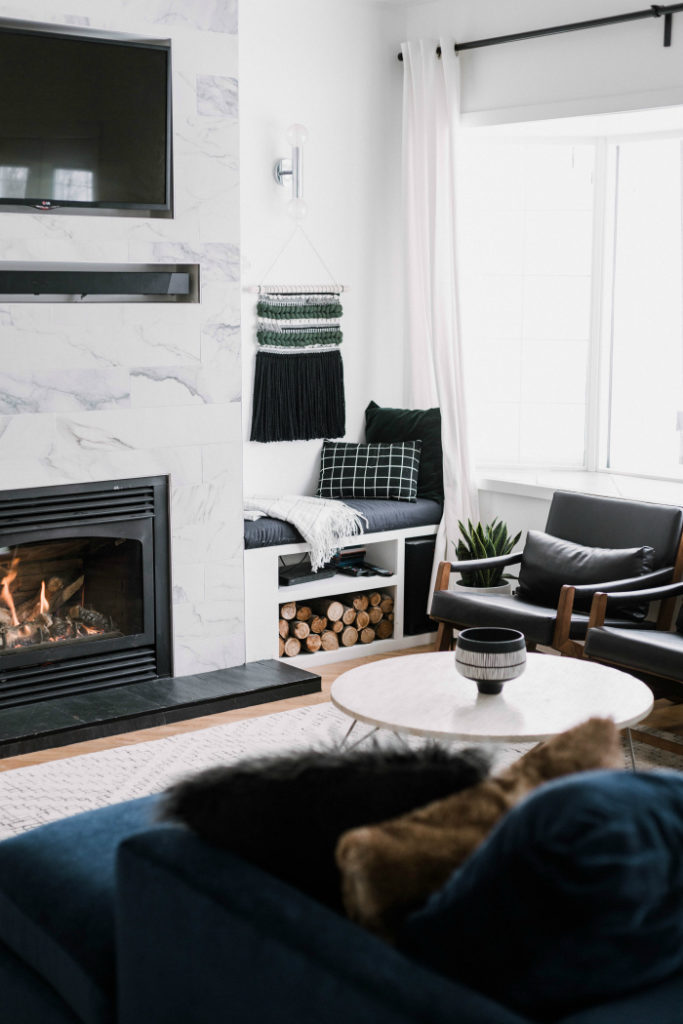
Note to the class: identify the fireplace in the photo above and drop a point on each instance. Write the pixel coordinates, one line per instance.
(84, 588)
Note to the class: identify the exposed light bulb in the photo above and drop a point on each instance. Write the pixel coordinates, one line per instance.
(296, 134)
(297, 209)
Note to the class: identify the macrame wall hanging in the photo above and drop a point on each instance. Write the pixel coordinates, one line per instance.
(299, 378)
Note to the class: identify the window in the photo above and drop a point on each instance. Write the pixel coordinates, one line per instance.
(571, 300)
(75, 186)
(646, 336)
(13, 182)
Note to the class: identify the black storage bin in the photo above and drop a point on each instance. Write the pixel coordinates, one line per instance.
(417, 574)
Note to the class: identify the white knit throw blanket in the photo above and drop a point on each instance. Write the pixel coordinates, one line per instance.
(323, 524)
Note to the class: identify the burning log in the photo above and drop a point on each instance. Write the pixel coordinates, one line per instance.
(91, 619)
(25, 635)
(63, 629)
(50, 597)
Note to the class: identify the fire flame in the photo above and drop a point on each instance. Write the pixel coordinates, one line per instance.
(44, 603)
(5, 591)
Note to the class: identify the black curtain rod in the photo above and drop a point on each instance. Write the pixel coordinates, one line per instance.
(655, 11)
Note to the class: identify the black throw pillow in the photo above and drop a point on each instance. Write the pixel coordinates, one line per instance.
(383, 424)
(286, 813)
(549, 562)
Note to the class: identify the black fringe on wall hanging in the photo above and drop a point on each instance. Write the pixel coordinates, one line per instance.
(298, 397)
(299, 381)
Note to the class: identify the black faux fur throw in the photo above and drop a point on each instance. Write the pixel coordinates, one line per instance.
(286, 813)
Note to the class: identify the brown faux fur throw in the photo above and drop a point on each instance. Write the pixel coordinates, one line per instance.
(391, 868)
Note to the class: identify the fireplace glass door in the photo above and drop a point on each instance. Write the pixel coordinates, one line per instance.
(70, 591)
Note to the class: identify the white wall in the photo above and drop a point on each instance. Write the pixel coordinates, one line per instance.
(331, 66)
(620, 67)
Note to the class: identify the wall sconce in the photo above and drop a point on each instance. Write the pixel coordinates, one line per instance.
(293, 168)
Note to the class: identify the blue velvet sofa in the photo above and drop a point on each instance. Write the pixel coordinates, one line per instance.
(109, 917)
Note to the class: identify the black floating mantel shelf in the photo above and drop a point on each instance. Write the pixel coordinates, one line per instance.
(99, 282)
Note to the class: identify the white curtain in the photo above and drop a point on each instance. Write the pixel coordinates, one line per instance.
(435, 364)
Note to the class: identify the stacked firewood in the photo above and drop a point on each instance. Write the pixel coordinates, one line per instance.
(331, 622)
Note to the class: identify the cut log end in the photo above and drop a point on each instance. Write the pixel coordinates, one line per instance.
(292, 647)
(329, 641)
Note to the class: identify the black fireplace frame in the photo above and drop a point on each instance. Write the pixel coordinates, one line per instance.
(136, 509)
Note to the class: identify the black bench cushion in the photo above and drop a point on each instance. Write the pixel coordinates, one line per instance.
(382, 514)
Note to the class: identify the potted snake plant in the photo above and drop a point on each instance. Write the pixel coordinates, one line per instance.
(482, 540)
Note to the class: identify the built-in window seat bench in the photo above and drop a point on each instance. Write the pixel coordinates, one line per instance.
(399, 536)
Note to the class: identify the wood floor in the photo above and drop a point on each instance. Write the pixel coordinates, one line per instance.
(665, 716)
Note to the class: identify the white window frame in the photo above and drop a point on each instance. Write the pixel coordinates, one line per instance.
(598, 381)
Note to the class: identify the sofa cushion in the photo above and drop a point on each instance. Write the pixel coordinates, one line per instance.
(389, 869)
(576, 897)
(349, 470)
(549, 562)
(57, 903)
(285, 813)
(384, 424)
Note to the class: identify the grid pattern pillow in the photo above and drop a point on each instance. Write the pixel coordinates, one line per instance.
(369, 470)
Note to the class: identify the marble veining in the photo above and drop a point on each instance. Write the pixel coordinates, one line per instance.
(63, 391)
(217, 95)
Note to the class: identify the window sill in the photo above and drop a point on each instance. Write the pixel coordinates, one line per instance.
(541, 483)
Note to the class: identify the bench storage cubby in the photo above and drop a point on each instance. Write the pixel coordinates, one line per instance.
(265, 598)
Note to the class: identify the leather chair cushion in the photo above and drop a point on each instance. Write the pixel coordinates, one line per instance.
(463, 609)
(646, 650)
(576, 897)
(549, 562)
(535, 621)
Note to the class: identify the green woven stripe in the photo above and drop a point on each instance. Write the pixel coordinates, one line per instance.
(299, 339)
(315, 312)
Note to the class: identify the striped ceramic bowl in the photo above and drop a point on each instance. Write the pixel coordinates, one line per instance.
(490, 656)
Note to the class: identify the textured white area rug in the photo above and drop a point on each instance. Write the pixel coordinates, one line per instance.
(35, 795)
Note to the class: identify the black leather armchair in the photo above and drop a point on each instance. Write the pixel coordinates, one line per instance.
(655, 656)
(584, 519)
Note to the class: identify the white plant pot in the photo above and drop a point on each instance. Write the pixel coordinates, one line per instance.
(500, 591)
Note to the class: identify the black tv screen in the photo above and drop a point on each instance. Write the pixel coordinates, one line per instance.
(84, 122)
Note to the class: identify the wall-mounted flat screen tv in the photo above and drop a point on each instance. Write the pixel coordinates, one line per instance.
(84, 122)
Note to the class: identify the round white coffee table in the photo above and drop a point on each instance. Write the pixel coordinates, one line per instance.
(422, 694)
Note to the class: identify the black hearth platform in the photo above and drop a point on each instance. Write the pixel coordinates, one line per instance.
(93, 714)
